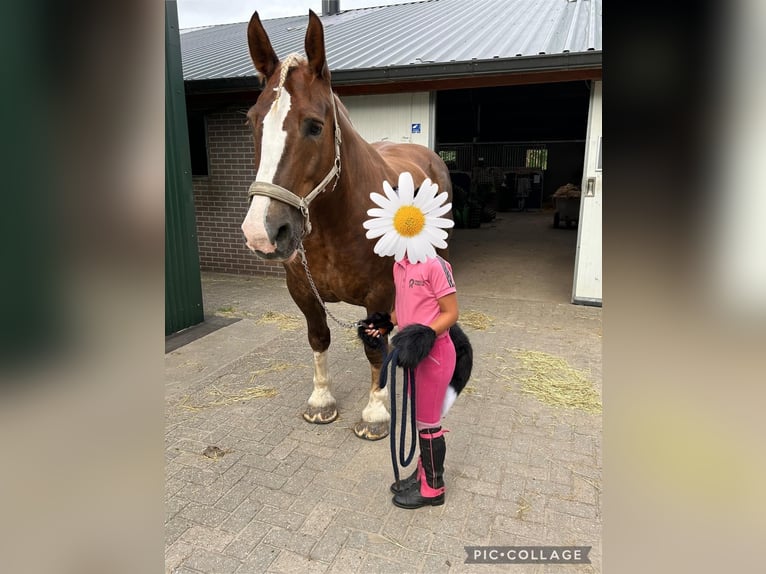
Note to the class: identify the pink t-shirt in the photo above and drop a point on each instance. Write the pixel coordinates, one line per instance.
(418, 288)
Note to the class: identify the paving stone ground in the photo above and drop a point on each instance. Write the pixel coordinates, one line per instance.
(288, 496)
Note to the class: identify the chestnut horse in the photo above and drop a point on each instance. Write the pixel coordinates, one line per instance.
(314, 176)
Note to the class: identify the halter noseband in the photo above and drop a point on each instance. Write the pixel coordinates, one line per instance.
(284, 195)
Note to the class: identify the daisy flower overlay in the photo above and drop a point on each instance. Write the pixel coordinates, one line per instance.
(408, 224)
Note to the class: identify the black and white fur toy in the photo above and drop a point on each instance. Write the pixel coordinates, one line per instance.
(463, 366)
(415, 342)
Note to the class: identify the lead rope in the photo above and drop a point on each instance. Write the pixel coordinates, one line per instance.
(408, 387)
(305, 263)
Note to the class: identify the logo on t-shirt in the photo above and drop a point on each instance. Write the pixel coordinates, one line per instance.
(414, 282)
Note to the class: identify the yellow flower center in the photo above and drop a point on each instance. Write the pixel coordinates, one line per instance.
(409, 220)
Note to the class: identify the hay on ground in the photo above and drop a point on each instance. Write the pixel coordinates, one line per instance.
(275, 368)
(281, 320)
(222, 398)
(475, 320)
(552, 381)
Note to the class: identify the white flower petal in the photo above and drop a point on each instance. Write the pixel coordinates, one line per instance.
(401, 248)
(435, 202)
(392, 196)
(378, 212)
(406, 188)
(377, 224)
(386, 244)
(439, 211)
(419, 249)
(376, 232)
(426, 194)
(414, 252)
(440, 222)
(437, 236)
(378, 221)
(383, 202)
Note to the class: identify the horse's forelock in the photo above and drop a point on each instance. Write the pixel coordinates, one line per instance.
(291, 61)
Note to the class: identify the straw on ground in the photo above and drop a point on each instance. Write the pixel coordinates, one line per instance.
(281, 320)
(222, 398)
(554, 382)
(475, 319)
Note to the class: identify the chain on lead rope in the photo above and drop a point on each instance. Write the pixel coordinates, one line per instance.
(346, 324)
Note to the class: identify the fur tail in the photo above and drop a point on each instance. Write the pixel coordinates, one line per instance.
(463, 366)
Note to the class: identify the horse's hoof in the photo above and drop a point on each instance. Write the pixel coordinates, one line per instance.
(320, 415)
(371, 431)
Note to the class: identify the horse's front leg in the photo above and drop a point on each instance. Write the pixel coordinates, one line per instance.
(376, 419)
(321, 408)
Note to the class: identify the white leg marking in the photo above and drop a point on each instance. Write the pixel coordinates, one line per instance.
(272, 149)
(321, 396)
(376, 410)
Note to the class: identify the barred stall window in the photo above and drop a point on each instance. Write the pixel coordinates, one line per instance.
(537, 158)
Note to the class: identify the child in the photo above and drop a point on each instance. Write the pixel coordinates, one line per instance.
(425, 310)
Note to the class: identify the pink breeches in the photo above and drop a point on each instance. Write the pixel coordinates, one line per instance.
(432, 377)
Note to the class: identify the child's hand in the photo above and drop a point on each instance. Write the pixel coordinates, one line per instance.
(372, 328)
(374, 332)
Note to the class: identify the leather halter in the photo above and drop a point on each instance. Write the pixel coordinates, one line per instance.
(284, 195)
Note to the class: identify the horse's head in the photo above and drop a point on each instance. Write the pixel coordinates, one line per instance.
(296, 151)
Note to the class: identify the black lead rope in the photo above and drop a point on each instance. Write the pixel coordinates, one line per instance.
(408, 387)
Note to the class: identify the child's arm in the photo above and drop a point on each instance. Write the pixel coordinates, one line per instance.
(448, 314)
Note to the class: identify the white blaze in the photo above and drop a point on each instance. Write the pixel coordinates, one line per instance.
(272, 149)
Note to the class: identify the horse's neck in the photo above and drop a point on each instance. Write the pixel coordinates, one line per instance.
(354, 147)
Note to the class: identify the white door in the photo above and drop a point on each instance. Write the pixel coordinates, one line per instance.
(586, 289)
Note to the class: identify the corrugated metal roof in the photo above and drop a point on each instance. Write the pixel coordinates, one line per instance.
(408, 35)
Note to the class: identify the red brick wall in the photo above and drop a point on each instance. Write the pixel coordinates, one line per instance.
(220, 198)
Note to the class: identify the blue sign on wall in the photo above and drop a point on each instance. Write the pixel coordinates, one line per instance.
(415, 128)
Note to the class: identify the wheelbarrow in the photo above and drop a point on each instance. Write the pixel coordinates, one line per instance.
(567, 211)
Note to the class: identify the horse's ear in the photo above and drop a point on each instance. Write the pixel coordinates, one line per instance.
(315, 47)
(264, 58)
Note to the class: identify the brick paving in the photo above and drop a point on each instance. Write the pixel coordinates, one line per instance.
(288, 496)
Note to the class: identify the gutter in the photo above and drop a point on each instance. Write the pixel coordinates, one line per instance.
(566, 62)
(473, 68)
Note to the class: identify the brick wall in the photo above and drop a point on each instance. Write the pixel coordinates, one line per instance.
(220, 198)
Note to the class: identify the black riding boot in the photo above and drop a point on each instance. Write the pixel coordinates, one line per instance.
(429, 490)
(410, 481)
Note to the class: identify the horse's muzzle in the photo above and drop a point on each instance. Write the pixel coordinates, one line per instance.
(277, 256)
(284, 246)
(272, 230)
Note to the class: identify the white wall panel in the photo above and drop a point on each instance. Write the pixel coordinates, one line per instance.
(394, 117)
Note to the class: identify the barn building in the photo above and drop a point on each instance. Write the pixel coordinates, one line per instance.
(508, 92)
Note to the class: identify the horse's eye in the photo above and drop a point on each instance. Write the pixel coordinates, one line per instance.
(313, 128)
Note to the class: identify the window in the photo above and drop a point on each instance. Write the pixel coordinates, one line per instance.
(198, 143)
(537, 158)
(448, 155)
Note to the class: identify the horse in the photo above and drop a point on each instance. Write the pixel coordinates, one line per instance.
(314, 176)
